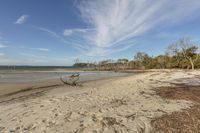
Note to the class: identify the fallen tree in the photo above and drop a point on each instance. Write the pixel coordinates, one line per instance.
(71, 80)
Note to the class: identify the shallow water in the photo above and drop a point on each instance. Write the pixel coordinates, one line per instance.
(41, 76)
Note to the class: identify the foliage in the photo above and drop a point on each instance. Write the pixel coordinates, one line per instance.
(182, 54)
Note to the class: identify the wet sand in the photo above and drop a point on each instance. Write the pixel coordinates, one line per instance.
(13, 82)
(125, 104)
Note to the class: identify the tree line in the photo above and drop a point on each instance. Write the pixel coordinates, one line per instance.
(182, 54)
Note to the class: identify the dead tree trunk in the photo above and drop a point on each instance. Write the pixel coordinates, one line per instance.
(192, 63)
(72, 80)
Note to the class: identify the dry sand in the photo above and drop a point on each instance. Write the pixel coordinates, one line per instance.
(126, 104)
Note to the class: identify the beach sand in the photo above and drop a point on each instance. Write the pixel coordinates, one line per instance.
(125, 104)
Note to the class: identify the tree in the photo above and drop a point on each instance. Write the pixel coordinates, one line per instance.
(106, 64)
(184, 49)
(181, 54)
(188, 50)
(79, 64)
(77, 60)
(142, 59)
(175, 55)
(122, 63)
(162, 61)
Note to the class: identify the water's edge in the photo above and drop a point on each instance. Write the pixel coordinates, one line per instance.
(42, 76)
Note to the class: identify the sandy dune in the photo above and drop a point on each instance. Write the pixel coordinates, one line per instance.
(125, 104)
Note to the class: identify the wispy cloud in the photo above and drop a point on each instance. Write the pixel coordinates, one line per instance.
(32, 55)
(28, 48)
(196, 40)
(51, 33)
(116, 22)
(2, 54)
(22, 19)
(69, 41)
(2, 45)
(41, 49)
(68, 32)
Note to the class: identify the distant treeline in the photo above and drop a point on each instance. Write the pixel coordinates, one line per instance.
(182, 54)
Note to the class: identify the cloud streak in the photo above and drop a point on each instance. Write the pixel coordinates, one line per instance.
(32, 55)
(2, 54)
(41, 49)
(68, 32)
(51, 33)
(28, 48)
(22, 19)
(116, 22)
(2, 45)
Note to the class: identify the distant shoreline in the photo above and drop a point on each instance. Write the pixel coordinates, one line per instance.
(13, 82)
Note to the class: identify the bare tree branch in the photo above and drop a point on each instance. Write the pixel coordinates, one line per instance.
(72, 79)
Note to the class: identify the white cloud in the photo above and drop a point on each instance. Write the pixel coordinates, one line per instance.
(22, 19)
(2, 54)
(41, 49)
(2, 45)
(28, 48)
(53, 34)
(68, 32)
(116, 22)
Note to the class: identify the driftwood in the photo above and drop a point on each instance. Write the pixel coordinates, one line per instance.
(71, 80)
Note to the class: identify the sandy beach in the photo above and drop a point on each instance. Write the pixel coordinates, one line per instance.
(124, 104)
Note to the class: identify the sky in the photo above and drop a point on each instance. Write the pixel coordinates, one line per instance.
(57, 32)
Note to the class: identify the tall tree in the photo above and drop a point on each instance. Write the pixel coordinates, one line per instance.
(142, 59)
(184, 48)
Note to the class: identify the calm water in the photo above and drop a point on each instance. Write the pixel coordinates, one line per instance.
(22, 77)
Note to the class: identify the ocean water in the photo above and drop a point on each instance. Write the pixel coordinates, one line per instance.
(29, 77)
(34, 68)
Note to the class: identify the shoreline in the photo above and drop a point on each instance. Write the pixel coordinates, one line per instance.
(126, 104)
(10, 89)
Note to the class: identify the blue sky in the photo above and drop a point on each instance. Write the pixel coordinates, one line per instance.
(56, 32)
